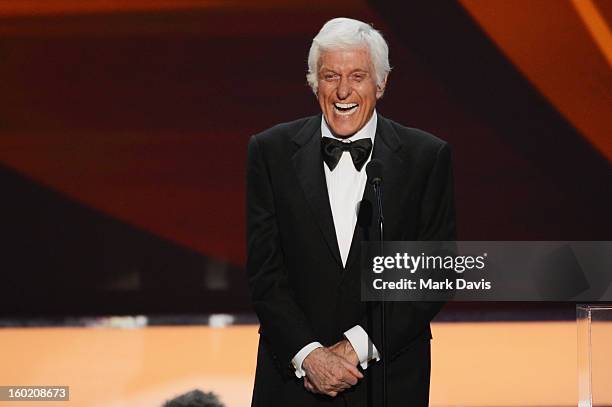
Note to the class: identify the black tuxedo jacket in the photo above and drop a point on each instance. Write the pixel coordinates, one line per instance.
(300, 290)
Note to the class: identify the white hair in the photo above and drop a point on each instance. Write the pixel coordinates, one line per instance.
(346, 33)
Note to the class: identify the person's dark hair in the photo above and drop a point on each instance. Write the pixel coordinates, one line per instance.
(194, 398)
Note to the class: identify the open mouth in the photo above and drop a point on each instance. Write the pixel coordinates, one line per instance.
(345, 109)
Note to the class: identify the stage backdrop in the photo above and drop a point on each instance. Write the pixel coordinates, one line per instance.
(123, 131)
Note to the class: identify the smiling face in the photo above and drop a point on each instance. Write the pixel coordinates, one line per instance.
(347, 90)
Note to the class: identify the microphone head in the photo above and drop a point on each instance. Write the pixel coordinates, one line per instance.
(374, 169)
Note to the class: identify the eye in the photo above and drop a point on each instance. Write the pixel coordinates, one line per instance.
(358, 77)
(330, 76)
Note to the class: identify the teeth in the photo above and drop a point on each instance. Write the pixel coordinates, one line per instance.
(346, 111)
(345, 105)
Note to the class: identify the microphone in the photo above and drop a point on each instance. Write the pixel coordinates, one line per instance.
(374, 170)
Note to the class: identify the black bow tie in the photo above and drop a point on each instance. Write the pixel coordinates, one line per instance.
(333, 149)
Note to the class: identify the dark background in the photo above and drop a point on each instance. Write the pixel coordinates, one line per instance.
(123, 136)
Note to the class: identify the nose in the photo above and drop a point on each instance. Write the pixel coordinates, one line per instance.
(344, 89)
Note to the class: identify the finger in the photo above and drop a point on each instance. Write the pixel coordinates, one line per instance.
(334, 386)
(315, 389)
(310, 386)
(341, 385)
(350, 380)
(332, 393)
(353, 370)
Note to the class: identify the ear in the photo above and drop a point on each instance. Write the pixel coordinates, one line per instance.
(380, 88)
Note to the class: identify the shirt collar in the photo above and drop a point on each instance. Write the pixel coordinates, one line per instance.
(367, 131)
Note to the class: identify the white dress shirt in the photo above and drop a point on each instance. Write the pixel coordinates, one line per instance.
(345, 186)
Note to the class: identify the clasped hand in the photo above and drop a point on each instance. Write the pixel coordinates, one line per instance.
(331, 370)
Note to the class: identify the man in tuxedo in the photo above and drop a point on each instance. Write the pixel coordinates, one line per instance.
(309, 207)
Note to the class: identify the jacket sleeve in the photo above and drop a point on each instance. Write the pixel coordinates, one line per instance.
(283, 324)
(409, 320)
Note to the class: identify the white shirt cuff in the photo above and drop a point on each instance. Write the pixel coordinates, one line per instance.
(299, 357)
(363, 346)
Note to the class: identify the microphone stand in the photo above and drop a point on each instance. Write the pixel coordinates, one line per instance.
(381, 221)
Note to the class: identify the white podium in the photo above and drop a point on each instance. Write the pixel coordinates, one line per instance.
(594, 354)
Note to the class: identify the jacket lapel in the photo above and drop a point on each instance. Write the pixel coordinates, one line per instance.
(308, 164)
